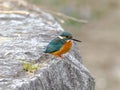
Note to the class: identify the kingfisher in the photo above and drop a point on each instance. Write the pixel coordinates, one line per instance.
(60, 45)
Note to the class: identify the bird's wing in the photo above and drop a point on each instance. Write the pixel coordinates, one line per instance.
(54, 45)
(52, 48)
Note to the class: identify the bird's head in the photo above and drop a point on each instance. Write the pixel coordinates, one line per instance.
(67, 36)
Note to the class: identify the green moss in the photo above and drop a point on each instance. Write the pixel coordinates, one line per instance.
(31, 67)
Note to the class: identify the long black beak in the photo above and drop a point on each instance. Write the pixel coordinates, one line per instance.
(76, 40)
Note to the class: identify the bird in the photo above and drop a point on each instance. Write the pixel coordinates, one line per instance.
(60, 45)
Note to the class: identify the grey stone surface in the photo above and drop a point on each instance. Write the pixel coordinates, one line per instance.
(24, 37)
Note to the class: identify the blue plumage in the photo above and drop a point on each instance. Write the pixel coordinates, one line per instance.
(54, 45)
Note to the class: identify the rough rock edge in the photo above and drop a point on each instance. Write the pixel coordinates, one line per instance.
(71, 67)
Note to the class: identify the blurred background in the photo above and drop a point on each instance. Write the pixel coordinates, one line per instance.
(100, 48)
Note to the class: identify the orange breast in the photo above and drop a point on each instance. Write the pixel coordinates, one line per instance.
(65, 48)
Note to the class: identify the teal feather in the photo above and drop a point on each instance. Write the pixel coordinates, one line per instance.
(55, 45)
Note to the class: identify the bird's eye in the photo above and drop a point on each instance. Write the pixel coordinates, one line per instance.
(69, 37)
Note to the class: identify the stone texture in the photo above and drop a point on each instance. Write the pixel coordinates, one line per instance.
(23, 36)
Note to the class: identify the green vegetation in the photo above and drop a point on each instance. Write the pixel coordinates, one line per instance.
(31, 67)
